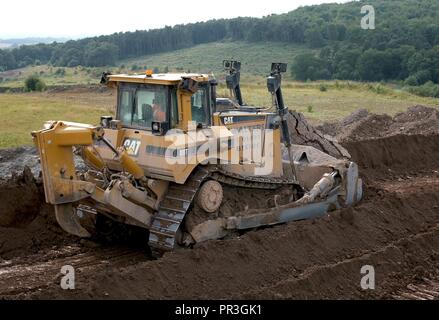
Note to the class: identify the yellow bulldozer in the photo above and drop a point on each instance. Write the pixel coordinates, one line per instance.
(188, 166)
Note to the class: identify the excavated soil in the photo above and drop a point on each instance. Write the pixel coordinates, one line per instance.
(395, 229)
(363, 125)
(19, 189)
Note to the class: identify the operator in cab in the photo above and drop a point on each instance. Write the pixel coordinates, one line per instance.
(158, 111)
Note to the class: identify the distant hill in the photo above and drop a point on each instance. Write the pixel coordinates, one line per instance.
(13, 43)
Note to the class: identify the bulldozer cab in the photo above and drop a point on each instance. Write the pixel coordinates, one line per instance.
(158, 119)
(160, 102)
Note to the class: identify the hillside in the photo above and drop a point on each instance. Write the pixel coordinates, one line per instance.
(256, 58)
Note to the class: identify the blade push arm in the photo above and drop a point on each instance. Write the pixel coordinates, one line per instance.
(56, 157)
(62, 187)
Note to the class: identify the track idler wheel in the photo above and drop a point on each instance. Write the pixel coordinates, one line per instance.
(69, 221)
(210, 196)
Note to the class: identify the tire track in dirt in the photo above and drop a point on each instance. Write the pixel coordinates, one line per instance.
(19, 278)
(345, 277)
(427, 289)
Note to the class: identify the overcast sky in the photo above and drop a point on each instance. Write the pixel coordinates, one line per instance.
(79, 18)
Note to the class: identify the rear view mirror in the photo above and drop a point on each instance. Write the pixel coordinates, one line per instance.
(278, 67)
(188, 84)
(230, 65)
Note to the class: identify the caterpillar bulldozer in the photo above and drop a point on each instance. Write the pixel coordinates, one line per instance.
(188, 166)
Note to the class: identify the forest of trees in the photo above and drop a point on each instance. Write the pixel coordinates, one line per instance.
(404, 45)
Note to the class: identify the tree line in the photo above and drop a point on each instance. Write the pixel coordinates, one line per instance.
(415, 67)
(403, 46)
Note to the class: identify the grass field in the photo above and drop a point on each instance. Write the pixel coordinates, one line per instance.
(23, 112)
(339, 100)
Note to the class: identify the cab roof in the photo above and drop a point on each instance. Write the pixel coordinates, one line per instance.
(159, 78)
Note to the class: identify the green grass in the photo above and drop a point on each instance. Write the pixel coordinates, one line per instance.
(23, 113)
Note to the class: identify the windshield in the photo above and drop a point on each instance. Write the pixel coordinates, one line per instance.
(199, 106)
(139, 106)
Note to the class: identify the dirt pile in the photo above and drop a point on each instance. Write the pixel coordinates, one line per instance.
(332, 128)
(41, 233)
(397, 155)
(363, 125)
(406, 144)
(27, 224)
(20, 199)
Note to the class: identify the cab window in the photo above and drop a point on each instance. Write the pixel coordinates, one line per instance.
(139, 106)
(125, 106)
(174, 109)
(200, 107)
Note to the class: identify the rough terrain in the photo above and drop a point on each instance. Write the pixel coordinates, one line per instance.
(395, 229)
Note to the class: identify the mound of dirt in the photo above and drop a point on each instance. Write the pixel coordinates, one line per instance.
(26, 223)
(332, 128)
(417, 120)
(42, 232)
(362, 125)
(395, 155)
(20, 199)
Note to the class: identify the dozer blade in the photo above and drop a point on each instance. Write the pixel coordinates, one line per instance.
(69, 220)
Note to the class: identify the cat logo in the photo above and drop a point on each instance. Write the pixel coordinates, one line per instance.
(132, 146)
(228, 120)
